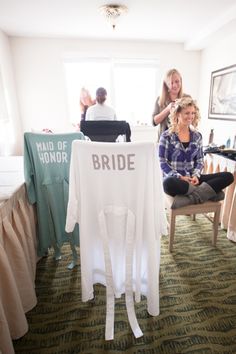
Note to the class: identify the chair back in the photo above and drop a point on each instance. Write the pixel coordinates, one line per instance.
(116, 196)
(106, 130)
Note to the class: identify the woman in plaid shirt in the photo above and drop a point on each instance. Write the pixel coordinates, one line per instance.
(181, 159)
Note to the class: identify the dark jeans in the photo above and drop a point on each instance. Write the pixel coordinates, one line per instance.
(217, 181)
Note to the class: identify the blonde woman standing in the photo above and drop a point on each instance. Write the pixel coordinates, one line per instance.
(170, 91)
(181, 159)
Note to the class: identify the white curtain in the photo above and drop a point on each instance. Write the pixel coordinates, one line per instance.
(6, 129)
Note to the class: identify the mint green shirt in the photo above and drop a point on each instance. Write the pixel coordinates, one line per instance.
(46, 169)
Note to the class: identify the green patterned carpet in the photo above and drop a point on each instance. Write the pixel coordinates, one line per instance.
(197, 302)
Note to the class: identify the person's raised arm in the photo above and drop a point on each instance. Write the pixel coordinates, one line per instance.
(159, 115)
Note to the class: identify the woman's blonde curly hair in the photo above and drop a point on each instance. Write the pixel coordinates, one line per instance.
(179, 105)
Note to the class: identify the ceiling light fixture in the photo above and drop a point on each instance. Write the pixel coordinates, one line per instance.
(112, 12)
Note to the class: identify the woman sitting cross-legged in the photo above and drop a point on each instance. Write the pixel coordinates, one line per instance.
(181, 159)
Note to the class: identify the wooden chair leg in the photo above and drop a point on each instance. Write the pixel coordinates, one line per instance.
(193, 210)
(172, 230)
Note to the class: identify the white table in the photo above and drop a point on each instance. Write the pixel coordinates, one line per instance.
(217, 163)
(17, 253)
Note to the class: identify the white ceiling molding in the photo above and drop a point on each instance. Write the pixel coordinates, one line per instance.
(218, 29)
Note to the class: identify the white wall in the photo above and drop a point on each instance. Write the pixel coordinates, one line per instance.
(217, 56)
(40, 82)
(14, 146)
(40, 78)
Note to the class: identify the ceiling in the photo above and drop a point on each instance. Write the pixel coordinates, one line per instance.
(192, 22)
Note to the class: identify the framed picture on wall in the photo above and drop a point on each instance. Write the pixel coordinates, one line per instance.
(222, 103)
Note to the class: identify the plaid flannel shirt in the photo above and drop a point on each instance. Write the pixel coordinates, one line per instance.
(177, 161)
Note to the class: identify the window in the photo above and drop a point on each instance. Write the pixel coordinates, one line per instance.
(131, 85)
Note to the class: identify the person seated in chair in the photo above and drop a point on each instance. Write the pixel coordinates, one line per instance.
(100, 111)
(181, 159)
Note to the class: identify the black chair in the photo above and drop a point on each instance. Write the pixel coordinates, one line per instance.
(106, 130)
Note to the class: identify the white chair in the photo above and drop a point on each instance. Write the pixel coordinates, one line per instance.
(204, 208)
(116, 196)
